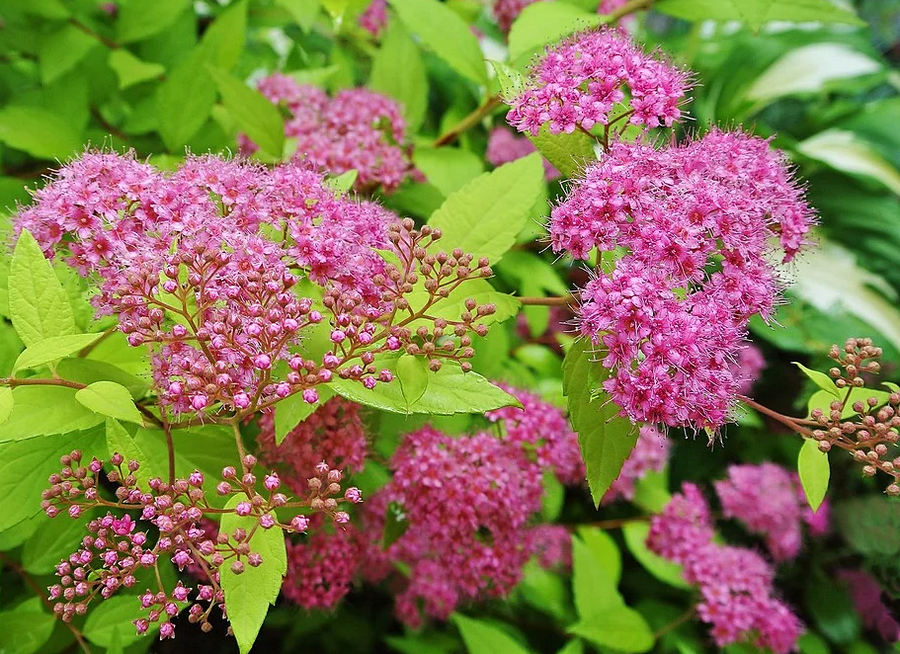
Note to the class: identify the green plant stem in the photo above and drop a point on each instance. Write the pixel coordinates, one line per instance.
(677, 622)
(469, 121)
(12, 382)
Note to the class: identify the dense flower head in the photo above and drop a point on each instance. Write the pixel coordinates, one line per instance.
(468, 500)
(596, 78)
(357, 129)
(321, 569)
(552, 545)
(543, 428)
(748, 366)
(503, 146)
(506, 11)
(650, 454)
(211, 264)
(697, 223)
(868, 600)
(737, 595)
(374, 18)
(334, 433)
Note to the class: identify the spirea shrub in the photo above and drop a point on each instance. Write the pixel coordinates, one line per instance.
(327, 383)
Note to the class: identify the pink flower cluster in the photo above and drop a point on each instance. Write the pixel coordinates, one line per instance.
(867, 599)
(696, 222)
(504, 146)
(374, 18)
(747, 367)
(506, 11)
(467, 500)
(736, 584)
(598, 77)
(543, 428)
(770, 501)
(321, 569)
(357, 129)
(650, 454)
(334, 433)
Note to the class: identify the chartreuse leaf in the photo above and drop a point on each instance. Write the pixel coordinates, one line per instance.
(111, 620)
(635, 534)
(482, 637)
(139, 20)
(250, 593)
(547, 22)
(510, 82)
(574, 646)
(61, 51)
(398, 52)
(452, 306)
(604, 549)
(252, 112)
(109, 399)
(38, 304)
(756, 13)
(39, 132)
(25, 631)
(444, 32)
(412, 374)
(821, 380)
(55, 540)
(449, 391)
(812, 464)
(622, 629)
(45, 410)
(343, 182)
(130, 70)
(569, 153)
(485, 216)
(53, 349)
(304, 12)
(25, 466)
(593, 581)
(293, 410)
(7, 402)
(119, 440)
(606, 439)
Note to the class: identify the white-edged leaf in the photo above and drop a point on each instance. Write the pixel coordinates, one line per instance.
(843, 151)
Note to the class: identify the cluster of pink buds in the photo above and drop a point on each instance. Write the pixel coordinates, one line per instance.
(114, 552)
(867, 427)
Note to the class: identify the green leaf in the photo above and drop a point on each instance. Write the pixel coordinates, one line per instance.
(444, 32)
(130, 70)
(88, 371)
(553, 498)
(593, 582)
(62, 50)
(45, 410)
(832, 609)
(604, 549)
(448, 169)
(138, 20)
(812, 464)
(7, 403)
(293, 410)
(606, 439)
(755, 12)
(574, 646)
(398, 52)
(820, 379)
(481, 637)
(635, 534)
(845, 151)
(545, 591)
(510, 81)
(569, 153)
(24, 469)
(822, 400)
(252, 112)
(53, 542)
(452, 306)
(249, 594)
(38, 304)
(870, 525)
(450, 390)
(110, 399)
(119, 440)
(53, 349)
(111, 620)
(543, 23)
(304, 12)
(412, 375)
(620, 628)
(343, 182)
(485, 216)
(395, 524)
(24, 632)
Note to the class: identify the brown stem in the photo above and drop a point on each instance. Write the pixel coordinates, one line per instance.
(555, 301)
(240, 444)
(109, 43)
(628, 8)
(19, 570)
(12, 383)
(469, 121)
(148, 414)
(90, 348)
(787, 421)
(170, 445)
(677, 622)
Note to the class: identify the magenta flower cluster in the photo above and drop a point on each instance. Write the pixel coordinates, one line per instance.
(597, 78)
(697, 223)
(747, 367)
(374, 18)
(506, 11)
(736, 585)
(770, 501)
(503, 146)
(650, 454)
(357, 129)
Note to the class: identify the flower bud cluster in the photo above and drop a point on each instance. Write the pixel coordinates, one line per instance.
(866, 425)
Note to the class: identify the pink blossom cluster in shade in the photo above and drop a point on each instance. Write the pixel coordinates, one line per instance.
(769, 501)
(185, 260)
(738, 599)
(868, 600)
(595, 78)
(543, 428)
(650, 454)
(374, 18)
(357, 129)
(747, 367)
(697, 222)
(334, 433)
(504, 146)
(506, 11)
(322, 567)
